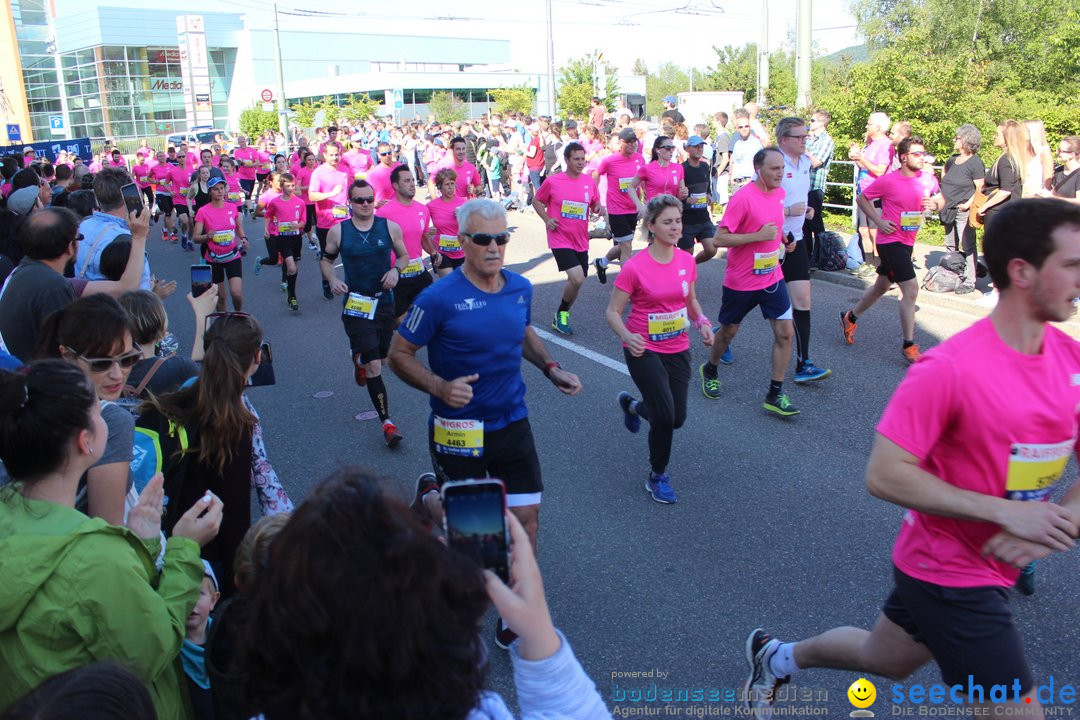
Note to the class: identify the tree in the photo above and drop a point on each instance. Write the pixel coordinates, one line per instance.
(255, 121)
(447, 107)
(669, 79)
(640, 68)
(736, 70)
(575, 92)
(521, 99)
(358, 109)
(305, 113)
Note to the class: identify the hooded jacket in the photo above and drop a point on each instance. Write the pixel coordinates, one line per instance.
(75, 590)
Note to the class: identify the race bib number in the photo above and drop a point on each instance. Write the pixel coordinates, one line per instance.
(625, 183)
(288, 228)
(459, 437)
(574, 210)
(235, 197)
(223, 237)
(765, 263)
(449, 243)
(696, 201)
(414, 268)
(1034, 469)
(360, 174)
(361, 306)
(664, 326)
(911, 221)
(339, 212)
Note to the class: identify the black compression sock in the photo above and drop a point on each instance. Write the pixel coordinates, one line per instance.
(802, 334)
(775, 386)
(852, 316)
(710, 370)
(564, 306)
(908, 343)
(377, 390)
(291, 280)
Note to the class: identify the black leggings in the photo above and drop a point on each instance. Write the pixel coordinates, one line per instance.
(663, 380)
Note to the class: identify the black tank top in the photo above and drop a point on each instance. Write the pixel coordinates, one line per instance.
(201, 198)
(365, 256)
(696, 205)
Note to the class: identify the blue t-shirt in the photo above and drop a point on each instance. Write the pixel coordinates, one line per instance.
(466, 331)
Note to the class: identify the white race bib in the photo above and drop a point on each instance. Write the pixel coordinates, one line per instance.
(361, 306)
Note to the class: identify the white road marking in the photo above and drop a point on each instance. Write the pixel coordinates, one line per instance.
(582, 351)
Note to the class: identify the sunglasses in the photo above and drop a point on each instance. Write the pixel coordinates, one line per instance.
(666, 147)
(225, 317)
(384, 154)
(741, 127)
(485, 239)
(102, 365)
(362, 200)
(917, 153)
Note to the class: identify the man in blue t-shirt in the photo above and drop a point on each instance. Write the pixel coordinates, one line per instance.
(475, 323)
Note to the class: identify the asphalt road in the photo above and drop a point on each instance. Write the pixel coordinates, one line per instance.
(773, 526)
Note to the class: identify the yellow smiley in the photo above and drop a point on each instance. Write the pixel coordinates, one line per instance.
(862, 693)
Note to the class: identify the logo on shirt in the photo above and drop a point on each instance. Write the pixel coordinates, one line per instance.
(471, 304)
(1076, 379)
(521, 301)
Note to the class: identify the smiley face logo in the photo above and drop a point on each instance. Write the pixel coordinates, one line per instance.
(862, 693)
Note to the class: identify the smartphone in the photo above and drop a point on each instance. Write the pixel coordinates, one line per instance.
(201, 279)
(133, 198)
(475, 513)
(264, 374)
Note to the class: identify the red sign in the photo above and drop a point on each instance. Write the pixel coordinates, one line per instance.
(267, 95)
(171, 56)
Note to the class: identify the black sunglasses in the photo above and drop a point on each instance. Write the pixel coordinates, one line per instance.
(485, 239)
(362, 200)
(225, 316)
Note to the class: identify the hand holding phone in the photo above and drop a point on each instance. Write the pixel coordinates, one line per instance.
(475, 518)
(201, 279)
(133, 198)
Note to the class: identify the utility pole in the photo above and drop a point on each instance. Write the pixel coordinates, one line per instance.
(803, 56)
(550, 62)
(763, 56)
(283, 120)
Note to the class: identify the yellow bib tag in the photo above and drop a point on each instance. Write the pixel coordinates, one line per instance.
(235, 197)
(574, 210)
(765, 263)
(288, 228)
(911, 221)
(696, 200)
(223, 237)
(664, 326)
(339, 212)
(360, 174)
(1034, 469)
(449, 243)
(361, 306)
(459, 437)
(624, 184)
(414, 268)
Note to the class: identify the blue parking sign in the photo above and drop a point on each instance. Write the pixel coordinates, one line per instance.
(14, 133)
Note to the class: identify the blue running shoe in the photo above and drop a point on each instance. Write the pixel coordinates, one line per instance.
(258, 265)
(727, 358)
(659, 487)
(809, 372)
(630, 419)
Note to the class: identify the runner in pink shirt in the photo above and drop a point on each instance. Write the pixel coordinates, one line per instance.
(331, 137)
(983, 491)
(443, 211)
(620, 171)
(219, 228)
(328, 189)
(179, 183)
(147, 152)
(752, 227)
(248, 162)
(661, 176)
(161, 175)
(235, 192)
(285, 217)
(660, 285)
(303, 186)
(379, 176)
(189, 161)
(359, 162)
(140, 171)
(468, 183)
(563, 203)
(414, 219)
(903, 202)
(117, 160)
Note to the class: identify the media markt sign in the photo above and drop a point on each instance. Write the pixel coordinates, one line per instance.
(194, 70)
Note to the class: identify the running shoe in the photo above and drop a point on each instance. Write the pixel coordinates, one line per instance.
(809, 372)
(326, 291)
(391, 435)
(359, 373)
(258, 264)
(659, 487)
(284, 287)
(780, 405)
(1025, 584)
(504, 636)
(293, 305)
(425, 484)
(847, 327)
(630, 420)
(727, 358)
(761, 685)
(710, 387)
(601, 271)
(561, 323)
(911, 354)
(312, 245)
(866, 270)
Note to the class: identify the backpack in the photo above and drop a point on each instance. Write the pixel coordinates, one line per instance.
(941, 279)
(161, 446)
(953, 261)
(131, 397)
(830, 252)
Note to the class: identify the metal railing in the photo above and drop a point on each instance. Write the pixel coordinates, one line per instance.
(837, 168)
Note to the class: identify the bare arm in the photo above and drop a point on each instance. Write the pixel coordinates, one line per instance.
(535, 352)
(133, 270)
(106, 488)
(726, 238)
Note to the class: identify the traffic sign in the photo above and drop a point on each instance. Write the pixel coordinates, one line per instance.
(268, 107)
(56, 124)
(267, 95)
(14, 133)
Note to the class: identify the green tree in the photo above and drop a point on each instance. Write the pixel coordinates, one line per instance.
(358, 109)
(448, 107)
(305, 113)
(521, 98)
(669, 79)
(255, 121)
(735, 70)
(575, 91)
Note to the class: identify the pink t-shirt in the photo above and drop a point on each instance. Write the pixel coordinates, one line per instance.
(235, 193)
(901, 204)
(161, 176)
(192, 162)
(658, 295)
(444, 218)
(181, 181)
(264, 200)
(303, 181)
(1015, 446)
(379, 178)
(620, 171)
(285, 217)
(359, 162)
(140, 172)
(467, 175)
(569, 200)
(334, 209)
(221, 223)
(592, 147)
(121, 163)
(413, 220)
(658, 180)
(756, 265)
(878, 152)
(265, 163)
(247, 159)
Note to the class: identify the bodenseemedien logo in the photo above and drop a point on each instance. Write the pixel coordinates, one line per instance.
(862, 694)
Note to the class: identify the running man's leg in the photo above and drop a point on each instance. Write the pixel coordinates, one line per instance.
(909, 293)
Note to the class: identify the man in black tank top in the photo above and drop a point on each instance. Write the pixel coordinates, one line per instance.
(697, 222)
(364, 243)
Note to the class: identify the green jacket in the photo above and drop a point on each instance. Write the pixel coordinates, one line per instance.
(74, 590)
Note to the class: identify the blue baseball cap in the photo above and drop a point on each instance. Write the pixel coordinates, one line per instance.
(213, 181)
(694, 141)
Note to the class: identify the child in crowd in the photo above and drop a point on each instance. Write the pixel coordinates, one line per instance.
(192, 654)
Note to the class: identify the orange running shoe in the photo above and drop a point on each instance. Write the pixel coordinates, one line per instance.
(912, 354)
(847, 327)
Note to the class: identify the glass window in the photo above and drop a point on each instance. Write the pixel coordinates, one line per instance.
(85, 57)
(32, 12)
(112, 52)
(114, 69)
(119, 114)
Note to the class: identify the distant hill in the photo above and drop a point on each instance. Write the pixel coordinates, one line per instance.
(857, 53)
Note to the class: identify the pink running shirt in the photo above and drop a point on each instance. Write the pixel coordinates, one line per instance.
(444, 218)
(658, 295)
(620, 171)
(901, 204)
(756, 265)
(334, 209)
(656, 180)
(568, 201)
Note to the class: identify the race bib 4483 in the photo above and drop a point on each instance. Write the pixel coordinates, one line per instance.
(1035, 468)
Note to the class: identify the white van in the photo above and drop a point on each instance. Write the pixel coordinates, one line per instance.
(201, 137)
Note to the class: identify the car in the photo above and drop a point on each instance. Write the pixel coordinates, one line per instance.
(201, 137)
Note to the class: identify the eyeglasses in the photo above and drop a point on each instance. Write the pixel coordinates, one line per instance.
(102, 365)
(485, 239)
(79, 237)
(797, 137)
(362, 200)
(666, 147)
(225, 317)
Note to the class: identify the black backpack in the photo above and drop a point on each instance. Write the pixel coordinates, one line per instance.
(830, 252)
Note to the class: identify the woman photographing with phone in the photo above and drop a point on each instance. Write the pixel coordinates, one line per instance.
(659, 284)
(77, 589)
(219, 228)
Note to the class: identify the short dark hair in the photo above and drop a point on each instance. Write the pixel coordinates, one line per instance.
(114, 259)
(46, 234)
(456, 139)
(571, 148)
(1023, 229)
(905, 145)
(27, 177)
(63, 172)
(107, 184)
(760, 155)
(82, 201)
(395, 174)
(359, 185)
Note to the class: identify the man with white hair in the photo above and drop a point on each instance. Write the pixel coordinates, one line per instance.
(873, 161)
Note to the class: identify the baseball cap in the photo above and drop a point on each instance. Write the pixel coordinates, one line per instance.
(627, 134)
(670, 99)
(695, 140)
(214, 181)
(21, 202)
(571, 124)
(208, 570)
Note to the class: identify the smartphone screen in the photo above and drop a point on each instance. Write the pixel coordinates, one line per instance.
(201, 279)
(133, 198)
(476, 523)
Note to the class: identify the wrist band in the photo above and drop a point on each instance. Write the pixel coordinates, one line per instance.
(549, 367)
(702, 320)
